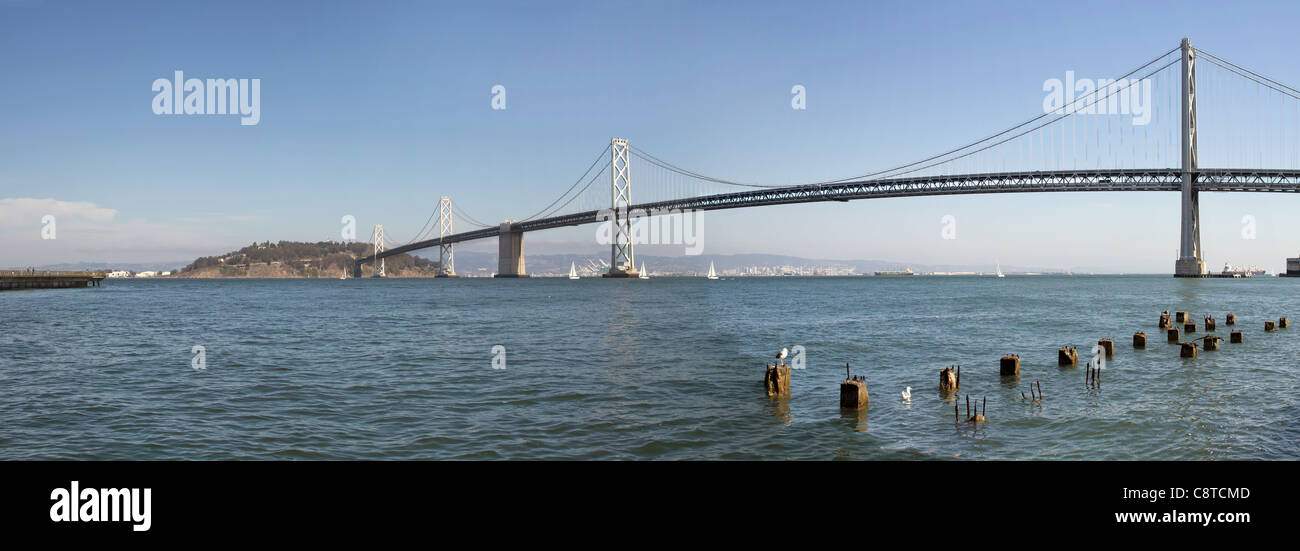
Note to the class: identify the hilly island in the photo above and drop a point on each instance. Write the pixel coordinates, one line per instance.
(293, 259)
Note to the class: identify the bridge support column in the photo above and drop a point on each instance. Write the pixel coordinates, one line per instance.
(1190, 262)
(446, 256)
(378, 240)
(510, 252)
(622, 260)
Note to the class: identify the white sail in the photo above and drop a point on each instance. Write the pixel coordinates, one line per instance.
(713, 274)
(644, 274)
(573, 270)
(1000, 274)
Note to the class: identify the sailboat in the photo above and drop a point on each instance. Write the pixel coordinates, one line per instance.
(1000, 274)
(573, 270)
(343, 274)
(713, 274)
(644, 274)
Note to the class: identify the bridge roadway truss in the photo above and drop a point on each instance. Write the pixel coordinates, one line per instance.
(1165, 179)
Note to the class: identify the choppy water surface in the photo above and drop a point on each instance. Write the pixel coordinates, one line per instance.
(662, 369)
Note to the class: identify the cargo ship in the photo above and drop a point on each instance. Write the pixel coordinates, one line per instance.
(906, 272)
(1292, 267)
(1240, 271)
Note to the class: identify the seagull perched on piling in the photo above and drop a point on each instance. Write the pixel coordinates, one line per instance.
(782, 355)
(907, 394)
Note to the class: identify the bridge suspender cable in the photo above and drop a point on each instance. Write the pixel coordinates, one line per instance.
(1251, 75)
(575, 184)
(947, 156)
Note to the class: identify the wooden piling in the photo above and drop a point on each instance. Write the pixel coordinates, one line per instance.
(1108, 345)
(1283, 323)
(1188, 350)
(1209, 324)
(1164, 320)
(1189, 327)
(1067, 357)
(1211, 343)
(1230, 319)
(777, 380)
(947, 381)
(1139, 340)
(853, 394)
(1270, 325)
(1181, 317)
(1174, 337)
(1010, 365)
(1236, 337)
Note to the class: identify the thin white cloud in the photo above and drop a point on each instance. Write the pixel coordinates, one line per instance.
(25, 211)
(86, 232)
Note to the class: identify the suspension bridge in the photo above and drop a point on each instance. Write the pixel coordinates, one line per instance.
(1231, 122)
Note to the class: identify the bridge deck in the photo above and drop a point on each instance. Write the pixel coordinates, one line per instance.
(1160, 179)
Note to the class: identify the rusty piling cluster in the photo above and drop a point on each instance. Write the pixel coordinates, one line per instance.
(1093, 378)
(1033, 398)
(977, 418)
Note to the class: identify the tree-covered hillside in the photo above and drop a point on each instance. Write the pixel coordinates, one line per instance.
(297, 259)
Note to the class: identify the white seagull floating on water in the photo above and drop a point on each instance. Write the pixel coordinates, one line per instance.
(907, 394)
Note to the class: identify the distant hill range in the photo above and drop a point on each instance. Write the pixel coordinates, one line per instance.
(110, 266)
(329, 259)
(485, 263)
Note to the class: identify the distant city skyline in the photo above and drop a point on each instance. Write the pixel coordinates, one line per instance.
(376, 110)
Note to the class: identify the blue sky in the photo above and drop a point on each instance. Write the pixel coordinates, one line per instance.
(376, 109)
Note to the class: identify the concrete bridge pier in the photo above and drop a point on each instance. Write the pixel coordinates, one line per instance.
(1189, 262)
(510, 252)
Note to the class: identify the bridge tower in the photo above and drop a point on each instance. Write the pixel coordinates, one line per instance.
(378, 238)
(1190, 262)
(622, 261)
(446, 258)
